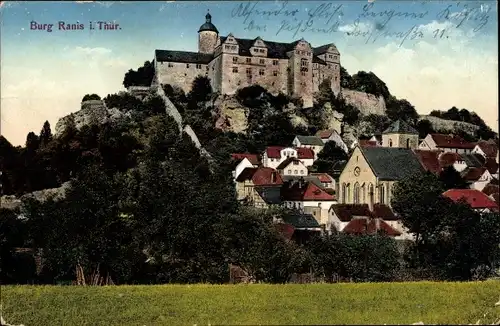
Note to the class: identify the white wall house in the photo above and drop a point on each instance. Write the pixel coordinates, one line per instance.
(273, 156)
(459, 164)
(244, 163)
(483, 180)
(333, 135)
(446, 143)
(292, 167)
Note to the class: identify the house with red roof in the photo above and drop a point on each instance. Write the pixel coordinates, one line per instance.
(259, 187)
(313, 142)
(364, 226)
(488, 149)
(446, 143)
(430, 160)
(477, 200)
(273, 156)
(292, 166)
(477, 178)
(309, 198)
(327, 181)
(341, 214)
(243, 161)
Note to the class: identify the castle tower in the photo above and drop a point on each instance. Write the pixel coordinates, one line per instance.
(207, 36)
(400, 134)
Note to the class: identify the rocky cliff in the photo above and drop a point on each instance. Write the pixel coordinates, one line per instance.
(230, 114)
(443, 125)
(366, 103)
(93, 111)
(13, 202)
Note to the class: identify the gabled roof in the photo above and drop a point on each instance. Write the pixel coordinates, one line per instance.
(285, 163)
(302, 153)
(475, 198)
(309, 178)
(448, 158)
(322, 49)
(473, 160)
(392, 163)
(489, 148)
(384, 212)
(253, 158)
(323, 177)
(310, 140)
(182, 57)
(491, 189)
(473, 174)
(367, 143)
(369, 226)
(261, 176)
(400, 127)
(451, 141)
(345, 212)
(429, 160)
(323, 134)
(304, 191)
(301, 221)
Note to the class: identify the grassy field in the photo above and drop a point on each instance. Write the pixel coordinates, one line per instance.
(363, 303)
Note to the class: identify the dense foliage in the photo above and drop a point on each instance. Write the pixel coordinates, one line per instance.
(145, 207)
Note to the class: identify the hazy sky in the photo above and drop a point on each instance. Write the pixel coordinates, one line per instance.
(434, 54)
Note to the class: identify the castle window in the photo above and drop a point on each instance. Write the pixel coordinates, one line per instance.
(170, 64)
(261, 51)
(329, 56)
(187, 65)
(235, 59)
(233, 47)
(235, 69)
(335, 78)
(335, 57)
(304, 69)
(249, 60)
(262, 61)
(314, 75)
(275, 62)
(261, 72)
(208, 68)
(198, 66)
(303, 73)
(329, 66)
(249, 71)
(275, 73)
(227, 47)
(303, 62)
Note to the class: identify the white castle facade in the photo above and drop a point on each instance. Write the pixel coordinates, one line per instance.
(295, 69)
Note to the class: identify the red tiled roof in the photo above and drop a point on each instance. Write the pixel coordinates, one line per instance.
(473, 174)
(448, 141)
(429, 160)
(369, 226)
(324, 134)
(475, 198)
(261, 176)
(253, 158)
(345, 212)
(384, 212)
(367, 143)
(323, 177)
(489, 148)
(446, 159)
(305, 192)
(302, 153)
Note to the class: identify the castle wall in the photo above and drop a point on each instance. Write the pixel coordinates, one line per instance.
(180, 74)
(207, 40)
(366, 103)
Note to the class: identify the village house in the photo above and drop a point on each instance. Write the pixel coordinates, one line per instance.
(259, 187)
(332, 135)
(327, 181)
(476, 199)
(341, 214)
(400, 134)
(307, 197)
(292, 166)
(488, 149)
(370, 174)
(297, 227)
(273, 156)
(294, 69)
(446, 143)
(243, 161)
(477, 178)
(312, 142)
(430, 160)
(370, 225)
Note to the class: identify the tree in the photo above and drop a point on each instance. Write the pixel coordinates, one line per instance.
(401, 109)
(45, 134)
(328, 158)
(452, 179)
(368, 82)
(201, 90)
(90, 97)
(377, 123)
(346, 80)
(142, 77)
(424, 127)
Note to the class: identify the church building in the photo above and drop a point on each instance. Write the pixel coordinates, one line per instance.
(295, 69)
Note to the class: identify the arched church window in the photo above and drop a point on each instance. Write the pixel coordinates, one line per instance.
(356, 193)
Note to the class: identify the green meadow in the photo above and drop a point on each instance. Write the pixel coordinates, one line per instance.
(254, 304)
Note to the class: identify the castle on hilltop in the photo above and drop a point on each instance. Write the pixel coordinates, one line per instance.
(295, 69)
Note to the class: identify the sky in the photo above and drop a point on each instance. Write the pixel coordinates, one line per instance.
(435, 54)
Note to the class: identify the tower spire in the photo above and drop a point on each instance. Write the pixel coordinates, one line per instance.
(208, 17)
